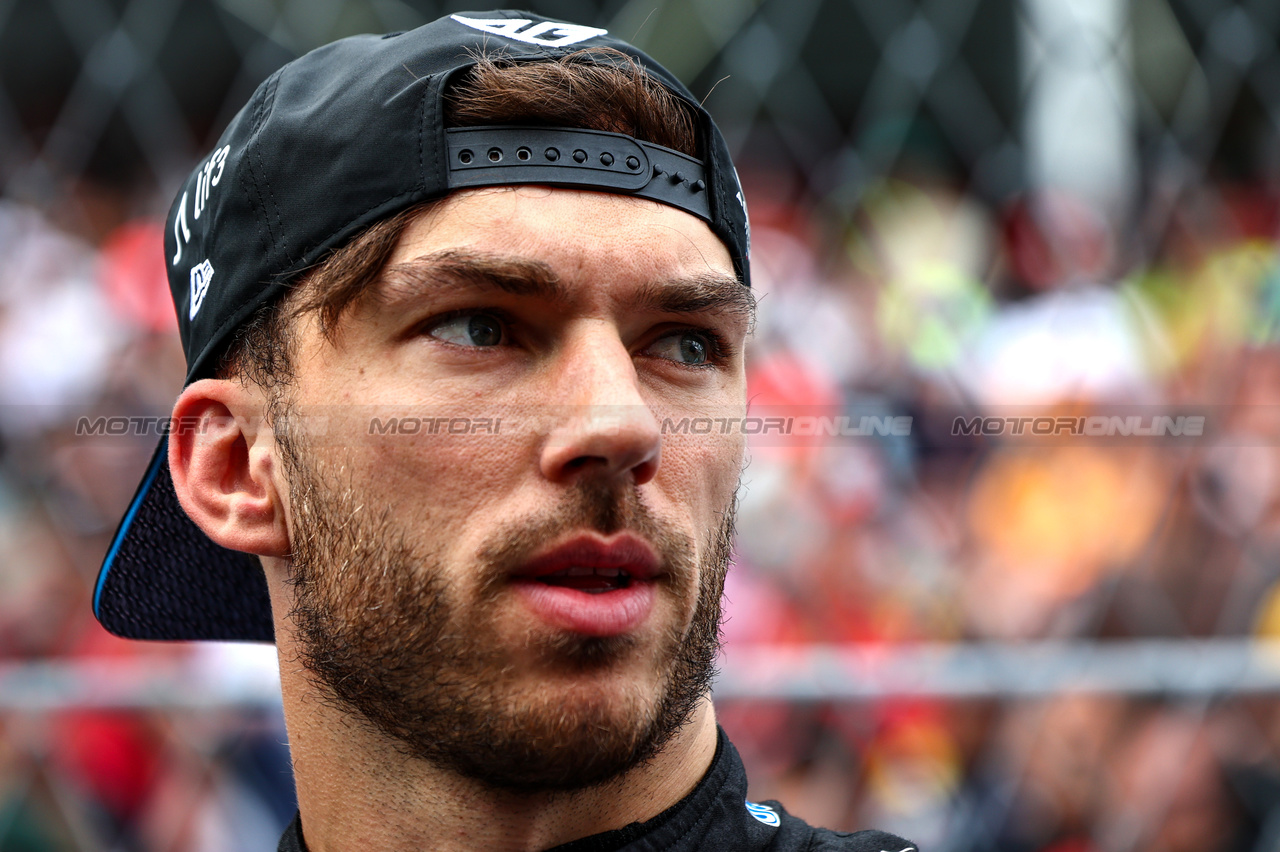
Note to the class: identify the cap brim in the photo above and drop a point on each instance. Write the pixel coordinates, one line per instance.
(163, 578)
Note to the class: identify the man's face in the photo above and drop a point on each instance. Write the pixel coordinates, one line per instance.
(519, 578)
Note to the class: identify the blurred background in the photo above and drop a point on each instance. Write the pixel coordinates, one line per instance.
(980, 638)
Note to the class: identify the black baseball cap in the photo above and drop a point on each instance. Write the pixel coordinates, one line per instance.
(337, 140)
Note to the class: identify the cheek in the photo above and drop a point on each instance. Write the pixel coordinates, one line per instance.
(435, 473)
(702, 473)
(443, 467)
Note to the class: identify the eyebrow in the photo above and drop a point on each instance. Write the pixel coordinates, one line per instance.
(459, 268)
(519, 276)
(709, 292)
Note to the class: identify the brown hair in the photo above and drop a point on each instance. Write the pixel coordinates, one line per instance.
(601, 89)
(591, 89)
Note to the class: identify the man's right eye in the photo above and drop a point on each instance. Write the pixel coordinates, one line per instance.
(473, 328)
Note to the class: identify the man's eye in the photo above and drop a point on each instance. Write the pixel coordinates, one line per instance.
(687, 346)
(470, 329)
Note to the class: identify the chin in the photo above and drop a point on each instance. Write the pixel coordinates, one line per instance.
(568, 738)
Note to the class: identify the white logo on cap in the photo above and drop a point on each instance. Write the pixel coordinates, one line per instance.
(201, 273)
(544, 33)
(207, 177)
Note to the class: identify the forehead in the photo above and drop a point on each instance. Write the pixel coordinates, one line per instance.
(581, 236)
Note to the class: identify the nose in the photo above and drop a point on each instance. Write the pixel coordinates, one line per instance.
(602, 426)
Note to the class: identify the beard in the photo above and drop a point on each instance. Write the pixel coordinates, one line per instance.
(383, 636)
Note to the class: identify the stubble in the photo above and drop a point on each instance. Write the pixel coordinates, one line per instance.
(393, 644)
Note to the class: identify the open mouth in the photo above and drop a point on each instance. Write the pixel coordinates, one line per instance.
(592, 586)
(590, 579)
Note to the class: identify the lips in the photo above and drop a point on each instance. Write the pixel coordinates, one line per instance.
(592, 586)
(625, 554)
(586, 578)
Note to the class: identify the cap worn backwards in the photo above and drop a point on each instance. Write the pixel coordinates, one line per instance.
(331, 143)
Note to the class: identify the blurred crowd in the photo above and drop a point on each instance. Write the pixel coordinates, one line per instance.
(926, 303)
(933, 304)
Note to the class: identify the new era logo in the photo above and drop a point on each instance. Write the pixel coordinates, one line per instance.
(544, 33)
(200, 277)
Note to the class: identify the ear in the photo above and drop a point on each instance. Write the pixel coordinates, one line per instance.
(222, 460)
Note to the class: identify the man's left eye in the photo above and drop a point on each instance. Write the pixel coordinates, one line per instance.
(688, 346)
(470, 329)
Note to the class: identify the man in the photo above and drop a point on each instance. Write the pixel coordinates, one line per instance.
(437, 292)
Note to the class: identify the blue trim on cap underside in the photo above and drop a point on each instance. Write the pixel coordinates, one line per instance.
(162, 453)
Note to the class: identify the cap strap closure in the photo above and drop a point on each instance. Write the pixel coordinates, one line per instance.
(593, 159)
